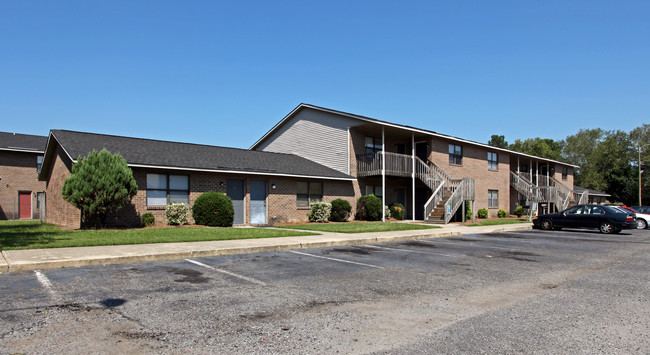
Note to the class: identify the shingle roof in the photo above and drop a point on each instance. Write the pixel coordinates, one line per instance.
(396, 125)
(176, 155)
(22, 142)
(590, 191)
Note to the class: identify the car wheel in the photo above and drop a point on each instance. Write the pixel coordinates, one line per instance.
(606, 227)
(641, 224)
(547, 225)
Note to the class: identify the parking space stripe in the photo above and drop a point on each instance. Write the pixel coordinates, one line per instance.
(334, 259)
(249, 279)
(410, 251)
(45, 282)
(473, 245)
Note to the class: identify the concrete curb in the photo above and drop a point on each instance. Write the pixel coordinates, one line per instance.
(36, 259)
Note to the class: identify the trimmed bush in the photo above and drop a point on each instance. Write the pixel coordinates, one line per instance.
(148, 219)
(502, 214)
(369, 208)
(177, 213)
(483, 213)
(213, 209)
(387, 212)
(320, 212)
(520, 211)
(397, 210)
(340, 210)
(468, 210)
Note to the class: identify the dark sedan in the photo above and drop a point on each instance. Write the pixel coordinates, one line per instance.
(605, 218)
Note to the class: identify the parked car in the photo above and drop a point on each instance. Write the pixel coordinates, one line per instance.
(606, 218)
(642, 209)
(642, 218)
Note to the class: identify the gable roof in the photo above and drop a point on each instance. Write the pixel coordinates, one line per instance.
(590, 191)
(22, 142)
(394, 125)
(150, 153)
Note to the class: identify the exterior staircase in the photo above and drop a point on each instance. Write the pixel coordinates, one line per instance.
(437, 215)
(547, 190)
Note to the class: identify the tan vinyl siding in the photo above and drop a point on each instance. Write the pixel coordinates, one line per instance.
(318, 136)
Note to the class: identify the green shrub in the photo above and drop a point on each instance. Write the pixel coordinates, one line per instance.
(177, 213)
(397, 210)
(468, 210)
(387, 214)
(369, 208)
(502, 214)
(340, 210)
(320, 212)
(213, 209)
(100, 184)
(147, 219)
(520, 211)
(483, 213)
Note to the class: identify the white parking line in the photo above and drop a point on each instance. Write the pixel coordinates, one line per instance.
(334, 259)
(473, 245)
(249, 279)
(410, 251)
(45, 282)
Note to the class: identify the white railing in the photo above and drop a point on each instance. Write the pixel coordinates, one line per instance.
(462, 193)
(434, 200)
(584, 198)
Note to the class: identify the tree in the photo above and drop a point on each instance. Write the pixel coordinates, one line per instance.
(100, 184)
(581, 149)
(498, 141)
(541, 147)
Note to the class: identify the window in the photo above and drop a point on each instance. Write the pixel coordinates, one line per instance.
(565, 172)
(493, 198)
(374, 189)
(373, 145)
(455, 154)
(493, 161)
(163, 189)
(308, 193)
(39, 163)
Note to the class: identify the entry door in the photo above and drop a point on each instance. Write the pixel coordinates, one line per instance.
(421, 197)
(422, 150)
(258, 202)
(25, 205)
(235, 190)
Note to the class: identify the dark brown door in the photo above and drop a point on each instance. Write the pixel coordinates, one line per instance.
(25, 205)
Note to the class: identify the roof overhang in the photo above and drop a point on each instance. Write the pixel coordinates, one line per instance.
(397, 126)
(23, 150)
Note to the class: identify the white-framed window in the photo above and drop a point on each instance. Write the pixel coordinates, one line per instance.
(163, 189)
(308, 193)
(374, 190)
(493, 161)
(455, 154)
(493, 198)
(39, 163)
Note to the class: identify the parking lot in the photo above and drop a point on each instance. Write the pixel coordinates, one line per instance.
(530, 291)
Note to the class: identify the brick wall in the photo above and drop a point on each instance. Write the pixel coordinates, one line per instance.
(18, 173)
(58, 210)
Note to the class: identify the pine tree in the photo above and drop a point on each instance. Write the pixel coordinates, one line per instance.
(100, 184)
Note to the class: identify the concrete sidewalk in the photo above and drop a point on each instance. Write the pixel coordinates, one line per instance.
(34, 259)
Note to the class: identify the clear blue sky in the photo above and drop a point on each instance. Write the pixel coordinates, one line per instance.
(224, 72)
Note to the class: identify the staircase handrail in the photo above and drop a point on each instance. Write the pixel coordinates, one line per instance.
(584, 198)
(456, 198)
(434, 200)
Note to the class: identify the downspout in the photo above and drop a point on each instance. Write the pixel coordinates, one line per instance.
(413, 175)
(383, 175)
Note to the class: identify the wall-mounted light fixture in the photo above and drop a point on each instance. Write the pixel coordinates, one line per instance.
(273, 186)
(220, 183)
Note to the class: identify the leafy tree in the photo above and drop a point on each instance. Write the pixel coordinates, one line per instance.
(541, 147)
(100, 184)
(498, 141)
(582, 149)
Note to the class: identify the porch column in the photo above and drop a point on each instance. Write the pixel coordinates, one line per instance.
(383, 175)
(517, 165)
(413, 175)
(548, 180)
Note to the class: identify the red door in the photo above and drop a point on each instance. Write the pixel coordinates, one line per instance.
(25, 205)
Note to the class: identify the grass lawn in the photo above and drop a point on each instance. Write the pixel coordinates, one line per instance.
(33, 234)
(494, 222)
(361, 227)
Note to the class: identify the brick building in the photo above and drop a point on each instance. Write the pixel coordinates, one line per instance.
(21, 194)
(431, 174)
(265, 187)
